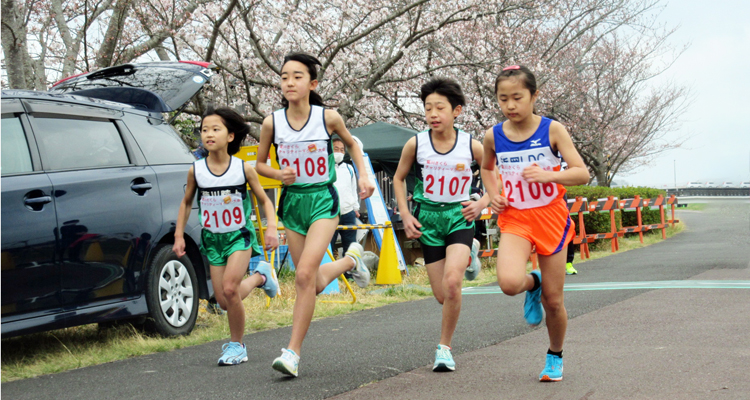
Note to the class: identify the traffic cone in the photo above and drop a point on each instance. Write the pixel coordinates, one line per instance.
(388, 272)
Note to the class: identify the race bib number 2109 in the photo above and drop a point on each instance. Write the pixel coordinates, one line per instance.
(221, 214)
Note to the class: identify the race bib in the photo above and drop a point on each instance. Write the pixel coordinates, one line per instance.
(308, 159)
(222, 213)
(446, 180)
(522, 194)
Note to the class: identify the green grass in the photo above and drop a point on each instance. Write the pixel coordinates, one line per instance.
(695, 207)
(65, 349)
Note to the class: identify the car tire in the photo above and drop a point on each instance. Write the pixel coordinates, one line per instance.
(171, 293)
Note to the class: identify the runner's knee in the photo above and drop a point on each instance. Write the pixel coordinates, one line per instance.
(512, 285)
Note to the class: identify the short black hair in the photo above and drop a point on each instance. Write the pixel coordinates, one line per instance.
(234, 123)
(446, 87)
(337, 139)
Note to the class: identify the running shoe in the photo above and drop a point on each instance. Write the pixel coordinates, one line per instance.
(475, 265)
(360, 273)
(233, 353)
(569, 270)
(271, 287)
(443, 359)
(532, 306)
(287, 363)
(553, 370)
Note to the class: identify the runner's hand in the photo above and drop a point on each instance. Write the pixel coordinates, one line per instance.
(179, 246)
(499, 203)
(366, 188)
(288, 176)
(411, 226)
(471, 210)
(534, 173)
(272, 239)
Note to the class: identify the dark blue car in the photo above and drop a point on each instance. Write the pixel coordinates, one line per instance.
(92, 178)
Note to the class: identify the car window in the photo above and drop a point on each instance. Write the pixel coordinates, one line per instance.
(160, 144)
(15, 150)
(76, 143)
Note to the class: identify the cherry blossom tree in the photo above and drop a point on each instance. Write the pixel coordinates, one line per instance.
(594, 59)
(53, 39)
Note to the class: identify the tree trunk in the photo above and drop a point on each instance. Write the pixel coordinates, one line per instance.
(14, 45)
(601, 176)
(112, 37)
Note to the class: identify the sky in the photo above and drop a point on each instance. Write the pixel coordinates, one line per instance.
(716, 68)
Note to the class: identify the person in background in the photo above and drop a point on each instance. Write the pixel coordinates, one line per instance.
(346, 185)
(569, 269)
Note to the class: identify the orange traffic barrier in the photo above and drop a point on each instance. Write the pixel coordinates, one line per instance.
(672, 201)
(578, 206)
(634, 203)
(610, 204)
(581, 205)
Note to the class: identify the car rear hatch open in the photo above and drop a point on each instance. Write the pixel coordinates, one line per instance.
(157, 87)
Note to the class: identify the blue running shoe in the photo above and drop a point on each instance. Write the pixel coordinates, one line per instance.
(532, 307)
(472, 271)
(233, 353)
(271, 287)
(287, 363)
(553, 370)
(443, 359)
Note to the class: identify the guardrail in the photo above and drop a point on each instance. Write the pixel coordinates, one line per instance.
(709, 192)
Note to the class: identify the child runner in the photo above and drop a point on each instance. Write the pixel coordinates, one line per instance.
(301, 133)
(443, 216)
(531, 208)
(228, 236)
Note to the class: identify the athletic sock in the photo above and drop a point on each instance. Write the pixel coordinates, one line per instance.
(537, 283)
(355, 263)
(555, 353)
(262, 276)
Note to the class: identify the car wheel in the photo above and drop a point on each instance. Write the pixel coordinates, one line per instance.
(171, 293)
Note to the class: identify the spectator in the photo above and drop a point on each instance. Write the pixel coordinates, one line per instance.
(346, 185)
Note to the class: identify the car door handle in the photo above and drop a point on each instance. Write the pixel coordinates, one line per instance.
(38, 200)
(141, 186)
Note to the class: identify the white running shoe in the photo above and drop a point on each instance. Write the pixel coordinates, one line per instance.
(360, 273)
(472, 271)
(287, 363)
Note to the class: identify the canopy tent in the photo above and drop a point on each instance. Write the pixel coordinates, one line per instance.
(383, 142)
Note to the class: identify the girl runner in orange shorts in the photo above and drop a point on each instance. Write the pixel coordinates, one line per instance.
(526, 149)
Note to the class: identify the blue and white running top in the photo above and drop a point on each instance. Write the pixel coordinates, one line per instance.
(513, 157)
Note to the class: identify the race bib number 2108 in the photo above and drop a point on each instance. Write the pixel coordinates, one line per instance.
(308, 159)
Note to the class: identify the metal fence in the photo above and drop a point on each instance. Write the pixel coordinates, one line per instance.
(709, 192)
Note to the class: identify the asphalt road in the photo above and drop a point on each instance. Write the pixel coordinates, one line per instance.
(665, 343)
